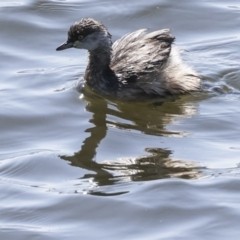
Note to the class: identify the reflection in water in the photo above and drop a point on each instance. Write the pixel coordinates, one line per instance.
(147, 117)
(156, 166)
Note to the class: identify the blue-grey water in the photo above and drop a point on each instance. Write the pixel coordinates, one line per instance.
(76, 166)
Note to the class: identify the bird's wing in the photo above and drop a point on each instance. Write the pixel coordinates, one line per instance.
(140, 53)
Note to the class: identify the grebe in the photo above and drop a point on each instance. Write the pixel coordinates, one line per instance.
(138, 65)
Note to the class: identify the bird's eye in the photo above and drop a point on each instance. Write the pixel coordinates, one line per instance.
(80, 37)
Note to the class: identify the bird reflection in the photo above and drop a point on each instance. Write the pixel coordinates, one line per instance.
(156, 166)
(147, 117)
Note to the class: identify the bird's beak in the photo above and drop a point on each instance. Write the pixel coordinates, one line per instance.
(64, 46)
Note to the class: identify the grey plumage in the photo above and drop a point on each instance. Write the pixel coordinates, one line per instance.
(136, 66)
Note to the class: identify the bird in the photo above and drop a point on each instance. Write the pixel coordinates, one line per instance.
(139, 65)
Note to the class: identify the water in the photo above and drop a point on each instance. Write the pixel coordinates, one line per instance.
(74, 166)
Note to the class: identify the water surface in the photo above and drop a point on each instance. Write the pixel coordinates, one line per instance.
(80, 166)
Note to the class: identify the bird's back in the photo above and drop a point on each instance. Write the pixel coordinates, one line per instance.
(142, 61)
(139, 52)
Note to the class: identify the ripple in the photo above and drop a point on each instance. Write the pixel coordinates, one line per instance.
(10, 4)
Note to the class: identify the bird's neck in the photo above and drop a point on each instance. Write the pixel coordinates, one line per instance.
(99, 75)
(100, 58)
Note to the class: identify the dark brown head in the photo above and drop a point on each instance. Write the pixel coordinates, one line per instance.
(86, 34)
